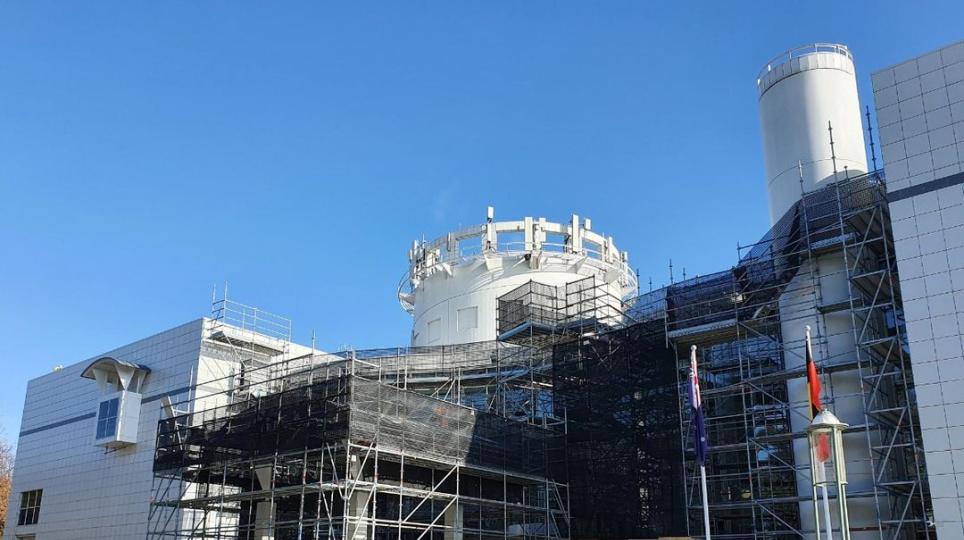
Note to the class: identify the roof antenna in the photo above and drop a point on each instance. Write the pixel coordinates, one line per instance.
(870, 134)
(671, 271)
(650, 283)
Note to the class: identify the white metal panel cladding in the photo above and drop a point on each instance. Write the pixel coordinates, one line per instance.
(920, 110)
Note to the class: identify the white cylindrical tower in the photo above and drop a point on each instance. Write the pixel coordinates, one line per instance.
(802, 93)
(453, 283)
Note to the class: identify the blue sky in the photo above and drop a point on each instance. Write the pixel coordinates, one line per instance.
(151, 150)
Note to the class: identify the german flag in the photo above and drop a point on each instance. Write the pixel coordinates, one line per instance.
(813, 387)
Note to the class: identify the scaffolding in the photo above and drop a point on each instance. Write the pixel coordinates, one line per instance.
(613, 379)
(739, 318)
(828, 263)
(574, 308)
(574, 423)
(391, 443)
(619, 393)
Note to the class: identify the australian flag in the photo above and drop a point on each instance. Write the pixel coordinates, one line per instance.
(700, 443)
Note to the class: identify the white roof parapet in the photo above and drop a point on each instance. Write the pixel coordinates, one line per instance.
(802, 58)
(574, 241)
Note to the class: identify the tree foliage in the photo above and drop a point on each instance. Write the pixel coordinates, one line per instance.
(6, 479)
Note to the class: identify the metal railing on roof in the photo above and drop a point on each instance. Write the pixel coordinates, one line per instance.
(803, 50)
(250, 319)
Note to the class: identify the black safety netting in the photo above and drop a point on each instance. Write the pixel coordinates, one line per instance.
(619, 392)
(363, 411)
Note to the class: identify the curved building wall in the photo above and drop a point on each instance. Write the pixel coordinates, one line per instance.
(800, 92)
(461, 307)
(454, 282)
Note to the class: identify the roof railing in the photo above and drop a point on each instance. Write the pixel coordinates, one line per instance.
(803, 50)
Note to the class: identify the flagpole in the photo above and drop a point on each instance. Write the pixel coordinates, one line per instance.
(826, 511)
(823, 487)
(706, 505)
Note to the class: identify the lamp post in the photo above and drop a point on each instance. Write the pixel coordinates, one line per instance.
(825, 435)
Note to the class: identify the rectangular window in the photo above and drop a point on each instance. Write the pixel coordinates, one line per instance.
(107, 418)
(434, 330)
(468, 318)
(30, 507)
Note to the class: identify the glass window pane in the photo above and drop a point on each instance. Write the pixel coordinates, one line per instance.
(107, 418)
(29, 507)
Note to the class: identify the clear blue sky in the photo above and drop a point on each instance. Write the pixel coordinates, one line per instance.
(150, 151)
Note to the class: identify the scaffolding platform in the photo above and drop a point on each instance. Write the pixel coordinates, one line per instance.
(346, 451)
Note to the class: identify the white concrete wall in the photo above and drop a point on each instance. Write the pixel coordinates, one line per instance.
(441, 296)
(833, 343)
(920, 110)
(89, 493)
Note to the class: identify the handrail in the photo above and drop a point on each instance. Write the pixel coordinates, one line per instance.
(250, 319)
(466, 254)
(803, 50)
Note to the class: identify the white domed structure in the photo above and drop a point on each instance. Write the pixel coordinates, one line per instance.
(453, 283)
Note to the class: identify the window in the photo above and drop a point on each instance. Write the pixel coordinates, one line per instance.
(468, 318)
(30, 507)
(434, 330)
(107, 418)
